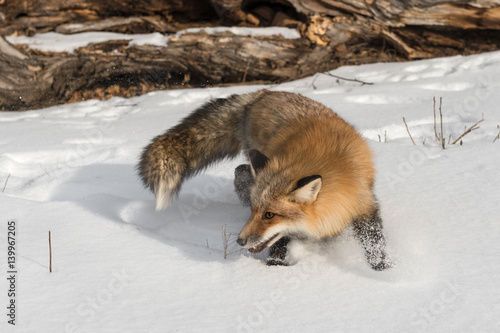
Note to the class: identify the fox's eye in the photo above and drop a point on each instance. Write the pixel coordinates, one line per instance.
(268, 215)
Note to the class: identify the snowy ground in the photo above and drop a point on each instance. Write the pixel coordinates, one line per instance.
(120, 266)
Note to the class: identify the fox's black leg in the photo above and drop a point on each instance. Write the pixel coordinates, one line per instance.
(277, 253)
(369, 232)
(243, 181)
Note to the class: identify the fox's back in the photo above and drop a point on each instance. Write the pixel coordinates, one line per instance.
(286, 124)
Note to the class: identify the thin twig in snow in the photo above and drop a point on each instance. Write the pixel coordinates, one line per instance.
(50, 254)
(443, 140)
(497, 137)
(472, 128)
(44, 169)
(435, 129)
(5, 185)
(404, 120)
(225, 240)
(347, 79)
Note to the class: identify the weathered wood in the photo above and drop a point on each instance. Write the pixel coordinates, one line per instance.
(189, 60)
(47, 15)
(461, 14)
(334, 33)
(18, 72)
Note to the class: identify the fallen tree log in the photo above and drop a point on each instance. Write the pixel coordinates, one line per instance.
(344, 32)
(115, 68)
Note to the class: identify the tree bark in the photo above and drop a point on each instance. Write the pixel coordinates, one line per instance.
(333, 33)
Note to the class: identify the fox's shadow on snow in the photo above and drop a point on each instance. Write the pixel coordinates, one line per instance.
(195, 220)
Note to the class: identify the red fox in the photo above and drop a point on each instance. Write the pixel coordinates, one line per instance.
(310, 173)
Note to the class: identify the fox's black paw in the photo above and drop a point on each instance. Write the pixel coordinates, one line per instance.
(381, 264)
(276, 262)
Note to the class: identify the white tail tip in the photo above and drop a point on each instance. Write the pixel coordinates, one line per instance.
(163, 196)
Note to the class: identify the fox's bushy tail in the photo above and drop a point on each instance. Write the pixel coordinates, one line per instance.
(210, 133)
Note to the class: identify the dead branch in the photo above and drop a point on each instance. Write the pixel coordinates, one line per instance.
(404, 120)
(435, 130)
(443, 140)
(5, 185)
(347, 79)
(225, 240)
(472, 128)
(50, 254)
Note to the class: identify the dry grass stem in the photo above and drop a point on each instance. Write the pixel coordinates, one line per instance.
(347, 79)
(404, 120)
(44, 169)
(225, 240)
(472, 128)
(5, 185)
(435, 128)
(443, 140)
(50, 254)
(497, 137)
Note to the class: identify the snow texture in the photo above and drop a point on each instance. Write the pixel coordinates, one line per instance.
(287, 33)
(120, 266)
(56, 42)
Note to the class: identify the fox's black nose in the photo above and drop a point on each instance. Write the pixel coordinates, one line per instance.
(241, 241)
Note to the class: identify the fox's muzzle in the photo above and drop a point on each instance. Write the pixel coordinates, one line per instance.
(257, 244)
(242, 241)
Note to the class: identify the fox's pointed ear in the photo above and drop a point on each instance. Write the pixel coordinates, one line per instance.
(257, 160)
(307, 189)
